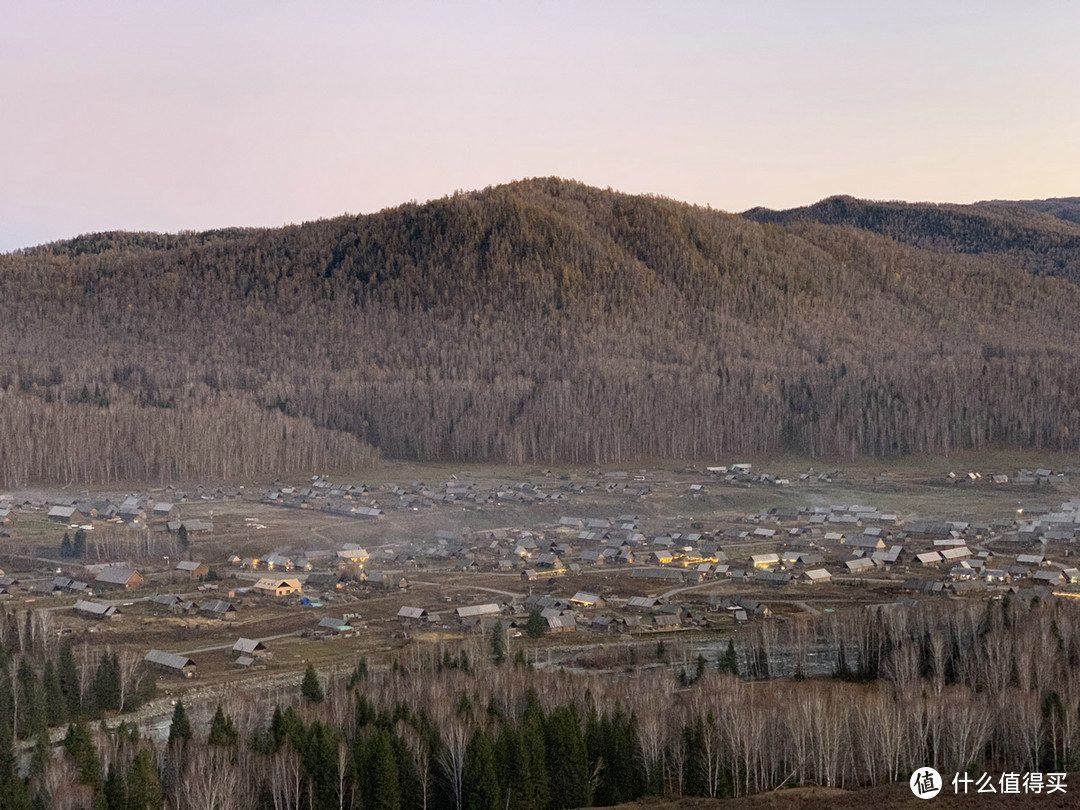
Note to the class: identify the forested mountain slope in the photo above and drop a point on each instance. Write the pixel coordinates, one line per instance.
(1029, 234)
(538, 321)
(1067, 208)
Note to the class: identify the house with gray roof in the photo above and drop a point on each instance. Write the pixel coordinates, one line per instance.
(171, 662)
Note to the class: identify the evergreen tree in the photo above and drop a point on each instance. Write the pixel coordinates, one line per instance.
(410, 789)
(115, 791)
(39, 762)
(32, 703)
(180, 728)
(694, 783)
(222, 730)
(310, 688)
(80, 746)
(567, 762)
(480, 780)
(498, 643)
(729, 661)
(143, 782)
(13, 792)
(536, 625)
(55, 704)
(378, 772)
(106, 686)
(611, 742)
(66, 549)
(28, 633)
(359, 673)
(68, 676)
(182, 538)
(319, 752)
(78, 548)
(513, 769)
(13, 638)
(533, 738)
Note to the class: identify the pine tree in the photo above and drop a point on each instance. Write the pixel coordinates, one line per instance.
(80, 746)
(410, 788)
(66, 549)
(533, 722)
(729, 662)
(319, 752)
(39, 761)
(378, 769)
(222, 731)
(55, 704)
(567, 762)
(28, 633)
(536, 625)
(182, 538)
(106, 688)
(32, 703)
(143, 782)
(498, 643)
(180, 728)
(480, 780)
(115, 791)
(310, 688)
(68, 675)
(78, 548)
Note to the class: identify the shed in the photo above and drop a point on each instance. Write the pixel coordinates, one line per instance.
(171, 662)
(217, 609)
(95, 610)
(248, 646)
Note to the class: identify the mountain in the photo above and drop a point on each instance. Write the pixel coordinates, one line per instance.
(1026, 235)
(1066, 208)
(538, 321)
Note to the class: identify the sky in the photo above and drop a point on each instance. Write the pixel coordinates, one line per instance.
(167, 116)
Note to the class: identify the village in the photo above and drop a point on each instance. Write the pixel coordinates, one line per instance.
(213, 583)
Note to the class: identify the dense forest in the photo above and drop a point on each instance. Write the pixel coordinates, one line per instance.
(539, 321)
(961, 687)
(1041, 236)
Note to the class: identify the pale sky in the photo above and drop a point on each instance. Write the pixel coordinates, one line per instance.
(165, 116)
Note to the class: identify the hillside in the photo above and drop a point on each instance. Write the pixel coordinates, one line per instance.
(1029, 235)
(1067, 208)
(538, 321)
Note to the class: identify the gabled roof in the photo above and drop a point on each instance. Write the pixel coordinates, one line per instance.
(585, 598)
(115, 575)
(248, 645)
(94, 608)
(170, 660)
(478, 610)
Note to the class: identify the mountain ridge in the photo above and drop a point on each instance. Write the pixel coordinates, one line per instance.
(543, 320)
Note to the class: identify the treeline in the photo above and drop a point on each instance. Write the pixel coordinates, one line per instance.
(45, 682)
(979, 688)
(536, 322)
